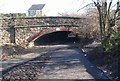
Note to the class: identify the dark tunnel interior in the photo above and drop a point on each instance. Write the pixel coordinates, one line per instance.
(58, 37)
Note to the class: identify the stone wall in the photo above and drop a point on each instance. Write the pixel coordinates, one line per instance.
(4, 36)
(28, 27)
(22, 35)
(41, 21)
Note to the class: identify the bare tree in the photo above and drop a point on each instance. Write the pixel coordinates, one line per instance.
(106, 21)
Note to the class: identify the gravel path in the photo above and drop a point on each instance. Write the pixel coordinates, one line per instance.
(66, 63)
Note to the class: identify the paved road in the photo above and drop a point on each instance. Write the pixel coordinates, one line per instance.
(63, 63)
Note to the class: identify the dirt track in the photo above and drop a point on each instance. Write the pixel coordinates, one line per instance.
(63, 63)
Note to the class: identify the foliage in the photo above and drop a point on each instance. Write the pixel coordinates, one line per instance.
(113, 42)
(106, 22)
(89, 24)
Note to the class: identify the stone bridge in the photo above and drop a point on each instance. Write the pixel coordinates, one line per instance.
(23, 31)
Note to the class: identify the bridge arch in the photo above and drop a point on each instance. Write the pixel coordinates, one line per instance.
(56, 37)
(28, 29)
(47, 34)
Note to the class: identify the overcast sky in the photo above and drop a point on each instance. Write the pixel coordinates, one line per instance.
(53, 6)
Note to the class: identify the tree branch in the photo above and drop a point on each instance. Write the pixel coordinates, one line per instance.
(85, 6)
(109, 6)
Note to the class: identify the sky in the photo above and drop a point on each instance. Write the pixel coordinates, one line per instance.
(53, 7)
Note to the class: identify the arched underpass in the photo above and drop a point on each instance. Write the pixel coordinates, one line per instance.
(57, 37)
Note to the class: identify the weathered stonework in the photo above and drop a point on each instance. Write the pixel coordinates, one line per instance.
(4, 36)
(25, 28)
(22, 35)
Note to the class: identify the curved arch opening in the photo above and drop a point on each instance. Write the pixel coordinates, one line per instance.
(58, 37)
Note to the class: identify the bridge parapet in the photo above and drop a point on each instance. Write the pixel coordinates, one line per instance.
(41, 21)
